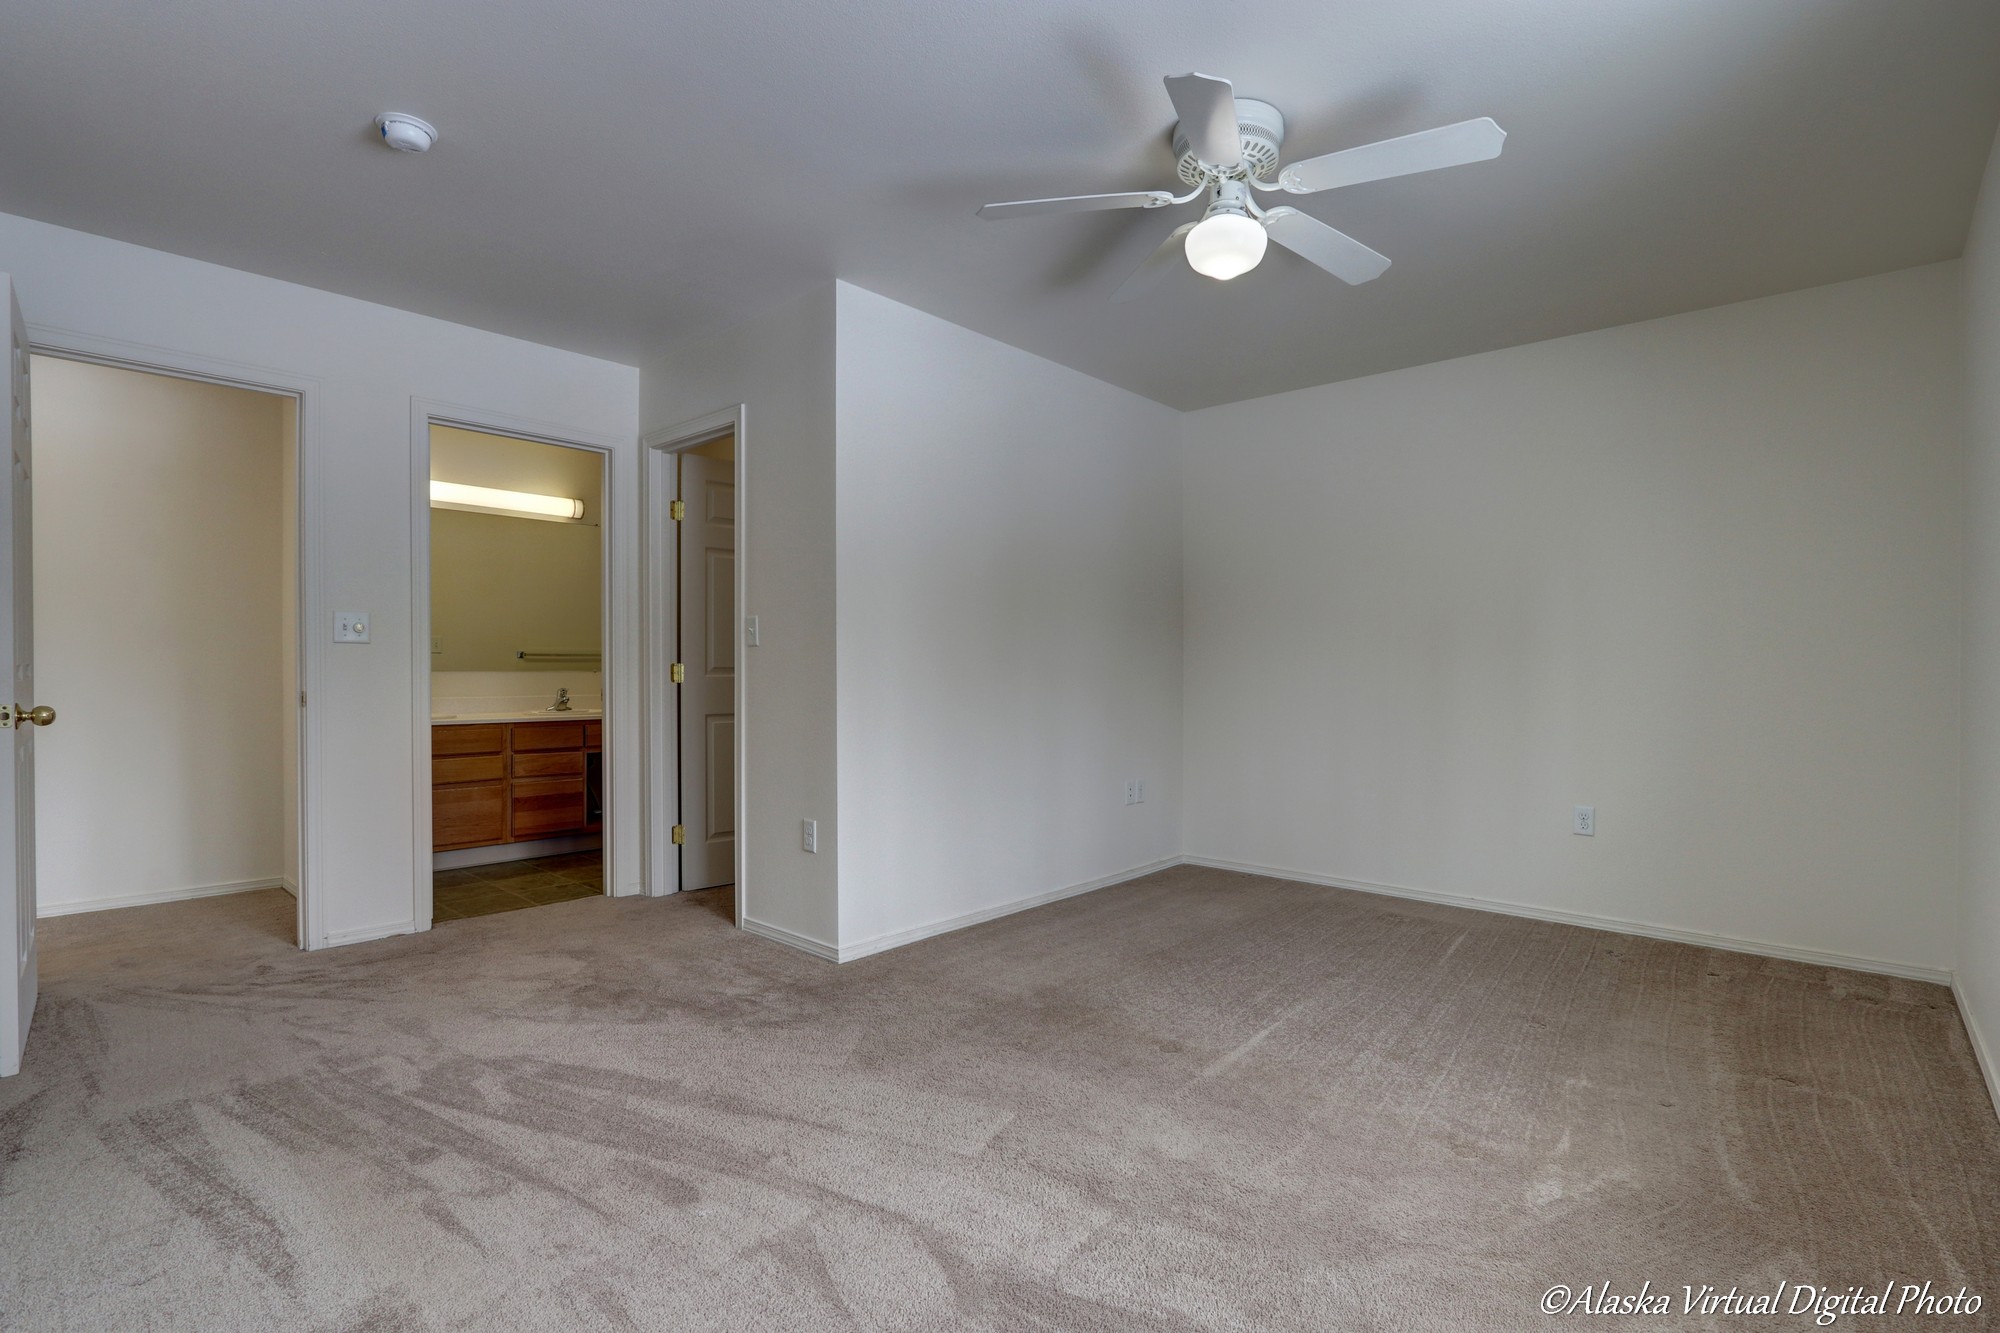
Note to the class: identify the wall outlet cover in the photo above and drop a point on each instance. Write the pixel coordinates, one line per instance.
(1585, 824)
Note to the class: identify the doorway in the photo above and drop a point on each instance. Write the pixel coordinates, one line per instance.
(516, 550)
(705, 590)
(697, 645)
(166, 586)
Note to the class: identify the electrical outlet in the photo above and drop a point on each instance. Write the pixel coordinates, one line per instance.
(1586, 821)
(809, 835)
(1131, 792)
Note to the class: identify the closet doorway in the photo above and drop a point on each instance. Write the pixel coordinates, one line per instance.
(166, 580)
(698, 640)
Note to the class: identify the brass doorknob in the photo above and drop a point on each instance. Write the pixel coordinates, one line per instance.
(41, 714)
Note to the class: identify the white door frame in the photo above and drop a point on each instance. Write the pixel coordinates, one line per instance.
(428, 412)
(661, 594)
(71, 345)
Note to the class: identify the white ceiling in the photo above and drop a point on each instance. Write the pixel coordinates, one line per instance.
(615, 173)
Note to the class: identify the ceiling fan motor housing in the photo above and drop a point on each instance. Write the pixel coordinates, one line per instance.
(1262, 127)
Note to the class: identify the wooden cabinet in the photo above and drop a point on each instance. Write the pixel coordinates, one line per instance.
(511, 782)
(484, 738)
(546, 807)
(470, 816)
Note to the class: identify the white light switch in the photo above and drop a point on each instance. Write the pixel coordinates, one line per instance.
(750, 631)
(350, 627)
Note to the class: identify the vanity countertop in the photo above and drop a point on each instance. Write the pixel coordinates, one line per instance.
(538, 715)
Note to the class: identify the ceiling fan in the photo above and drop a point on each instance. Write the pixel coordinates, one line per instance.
(1227, 146)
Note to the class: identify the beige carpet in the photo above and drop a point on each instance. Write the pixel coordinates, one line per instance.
(1197, 1101)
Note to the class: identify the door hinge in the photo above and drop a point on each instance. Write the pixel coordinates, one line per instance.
(678, 510)
(678, 672)
(680, 834)
(302, 698)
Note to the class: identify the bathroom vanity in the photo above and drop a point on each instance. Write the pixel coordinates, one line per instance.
(496, 781)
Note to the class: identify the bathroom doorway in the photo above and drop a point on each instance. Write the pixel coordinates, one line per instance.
(517, 634)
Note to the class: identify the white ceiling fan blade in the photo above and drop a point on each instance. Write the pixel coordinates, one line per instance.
(1426, 150)
(1335, 251)
(1078, 203)
(1164, 260)
(1207, 108)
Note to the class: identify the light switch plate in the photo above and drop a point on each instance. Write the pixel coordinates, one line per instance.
(750, 631)
(350, 627)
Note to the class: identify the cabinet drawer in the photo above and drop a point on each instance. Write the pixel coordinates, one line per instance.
(468, 768)
(593, 735)
(473, 816)
(482, 739)
(549, 764)
(543, 807)
(548, 736)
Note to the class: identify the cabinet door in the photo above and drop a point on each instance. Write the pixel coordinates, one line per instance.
(547, 736)
(473, 816)
(468, 768)
(545, 807)
(480, 739)
(549, 764)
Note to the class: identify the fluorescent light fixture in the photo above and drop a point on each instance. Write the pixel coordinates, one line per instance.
(517, 504)
(1225, 245)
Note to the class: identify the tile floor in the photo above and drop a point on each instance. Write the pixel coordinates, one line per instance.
(479, 890)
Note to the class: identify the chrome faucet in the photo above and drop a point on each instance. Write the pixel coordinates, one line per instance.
(561, 705)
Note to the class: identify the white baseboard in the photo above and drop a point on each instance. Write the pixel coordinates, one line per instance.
(161, 896)
(847, 953)
(1989, 1069)
(362, 934)
(289, 885)
(817, 948)
(1884, 967)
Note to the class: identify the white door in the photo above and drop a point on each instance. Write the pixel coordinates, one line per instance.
(708, 661)
(17, 772)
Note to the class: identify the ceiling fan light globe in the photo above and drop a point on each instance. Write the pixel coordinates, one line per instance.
(1226, 245)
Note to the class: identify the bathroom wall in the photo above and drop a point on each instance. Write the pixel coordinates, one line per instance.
(502, 585)
(522, 691)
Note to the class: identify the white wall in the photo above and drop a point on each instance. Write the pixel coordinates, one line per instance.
(779, 364)
(1978, 919)
(159, 626)
(362, 367)
(1009, 628)
(1702, 573)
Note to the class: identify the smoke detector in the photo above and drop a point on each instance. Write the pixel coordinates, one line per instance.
(405, 134)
